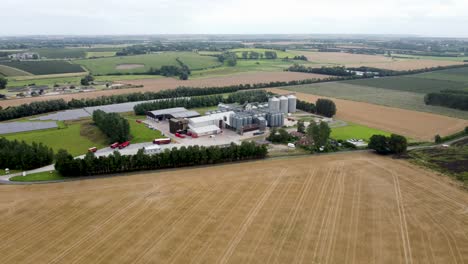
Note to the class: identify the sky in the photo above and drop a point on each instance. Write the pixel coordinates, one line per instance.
(441, 18)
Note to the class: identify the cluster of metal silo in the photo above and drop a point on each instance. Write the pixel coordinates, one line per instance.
(283, 104)
(273, 104)
(275, 119)
(292, 102)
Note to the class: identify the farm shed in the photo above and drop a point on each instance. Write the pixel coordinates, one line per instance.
(177, 112)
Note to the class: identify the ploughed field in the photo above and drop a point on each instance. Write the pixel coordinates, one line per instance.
(346, 208)
(155, 85)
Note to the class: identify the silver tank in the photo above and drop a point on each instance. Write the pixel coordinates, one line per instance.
(292, 101)
(274, 104)
(283, 104)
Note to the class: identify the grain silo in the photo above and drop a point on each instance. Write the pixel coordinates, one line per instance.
(292, 101)
(274, 104)
(283, 104)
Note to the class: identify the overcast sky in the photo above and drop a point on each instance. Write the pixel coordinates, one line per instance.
(93, 17)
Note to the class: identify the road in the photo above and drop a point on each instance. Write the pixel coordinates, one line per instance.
(133, 149)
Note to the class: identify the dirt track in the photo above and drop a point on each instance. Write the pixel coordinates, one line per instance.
(347, 208)
(155, 85)
(416, 125)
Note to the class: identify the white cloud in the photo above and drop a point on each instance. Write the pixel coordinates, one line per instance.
(426, 17)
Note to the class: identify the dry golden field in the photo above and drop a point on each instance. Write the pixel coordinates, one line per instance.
(413, 124)
(345, 208)
(155, 85)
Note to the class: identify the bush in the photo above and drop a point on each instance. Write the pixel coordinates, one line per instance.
(279, 136)
(437, 139)
(325, 107)
(395, 144)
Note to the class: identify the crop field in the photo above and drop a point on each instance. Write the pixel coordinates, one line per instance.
(412, 124)
(347, 208)
(455, 75)
(10, 71)
(60, 53)
(44, 67)
(109, 65)
(386, 97)
(461, 58)
(377, 61)
(159, 83)
(98, 54)
(281, 54)
(411, 84)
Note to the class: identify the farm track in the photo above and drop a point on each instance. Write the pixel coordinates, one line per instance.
(413, 124)
(156, 85)
(345, 208)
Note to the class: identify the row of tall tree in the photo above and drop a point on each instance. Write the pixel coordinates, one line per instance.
(48, 106)
(21, 156)
(175, 158)
(335, 71)
(113, 125)
(448, 98)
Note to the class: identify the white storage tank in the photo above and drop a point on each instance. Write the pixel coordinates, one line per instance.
(274, 104)
(283, 104)
(292, 101)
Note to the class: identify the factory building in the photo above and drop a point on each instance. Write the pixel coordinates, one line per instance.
(177, 113)
(209, 124)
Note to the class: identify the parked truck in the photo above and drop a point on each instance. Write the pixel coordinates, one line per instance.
(124, 145)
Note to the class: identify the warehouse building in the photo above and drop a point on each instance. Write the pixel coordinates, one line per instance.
(209, 124)
(177, 113)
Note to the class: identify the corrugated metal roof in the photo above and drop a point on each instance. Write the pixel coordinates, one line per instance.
(204, 129)
(168, 111)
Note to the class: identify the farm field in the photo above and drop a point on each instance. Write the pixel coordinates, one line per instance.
(377, 61)
(97, 54)
(60, 53)
(41, 67)
(456, 75)
(157, 84)
(346, 208)
(386, 97)
(412, 124)
(104, 66)
(10, 71)
(412, 84)
(279, 53)
(460, 59)
(355, 131)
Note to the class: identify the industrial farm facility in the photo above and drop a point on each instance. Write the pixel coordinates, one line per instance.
(236, 117)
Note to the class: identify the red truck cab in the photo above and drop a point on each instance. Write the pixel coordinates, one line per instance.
(115, 145)
(124, 145)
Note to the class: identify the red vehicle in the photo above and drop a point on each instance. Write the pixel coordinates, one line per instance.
(162, 141)
(179, 135)
(115, 145)
(139, 121)
(124, 145)
(93, 149)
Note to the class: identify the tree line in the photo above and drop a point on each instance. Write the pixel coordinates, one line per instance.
(230, 58)
(335, 71)
(202, 101)
(253, 55)
(90, 165)
(42, 107)
(395, 144)
(448, 98)
(116, 128)
(21, 156)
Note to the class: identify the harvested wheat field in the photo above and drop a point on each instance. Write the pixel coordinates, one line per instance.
(155, 85)
(346, 208)
(413, 124)
(406, 65)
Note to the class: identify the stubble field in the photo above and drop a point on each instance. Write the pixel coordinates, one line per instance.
(413, 124)
(348, 208)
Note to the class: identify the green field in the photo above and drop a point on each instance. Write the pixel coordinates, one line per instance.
(356, 131)
(76, 137)
(40, 67)
(387, 97)
(40, 176)
(410, 84)
(104, 66)
(99, 54)
(281, 54)
(140, 133)
(10, 71)
(60, 53)
(455, 75)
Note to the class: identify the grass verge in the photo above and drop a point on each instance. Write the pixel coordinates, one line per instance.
(40, 176)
